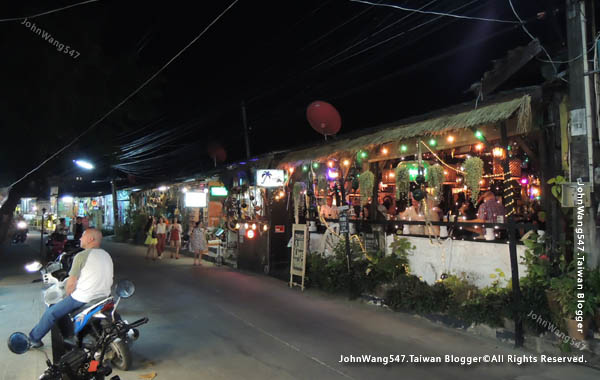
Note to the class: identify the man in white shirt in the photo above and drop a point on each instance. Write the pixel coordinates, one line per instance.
(90, 278)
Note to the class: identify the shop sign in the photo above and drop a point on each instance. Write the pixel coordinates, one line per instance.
(195, 199)
(279, 229)
(218, 191)
(344, 229)
(270, 177)
(298, 262)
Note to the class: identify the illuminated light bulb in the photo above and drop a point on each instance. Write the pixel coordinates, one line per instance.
(304, 168)
(403, 148)
(384, 151)
(315, 165)
(450, 139)
(432, 142)
(237, 226)
(479, 146)
(291, 170)
(363, 154)
(265, 227)
(392, 175)
(481, 182)
(246, 225)
(445, 172)
(346, 162)
(330, 164)
(253, 226)
(479, 134)
(281, 194)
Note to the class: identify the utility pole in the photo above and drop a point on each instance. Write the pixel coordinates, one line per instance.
(114, 201)
(581, 132)
(244, 120)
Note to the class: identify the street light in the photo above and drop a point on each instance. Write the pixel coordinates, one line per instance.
(84, 164)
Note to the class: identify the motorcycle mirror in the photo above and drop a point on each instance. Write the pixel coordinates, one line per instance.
(33, 267)
(19, 343)
(125, 289)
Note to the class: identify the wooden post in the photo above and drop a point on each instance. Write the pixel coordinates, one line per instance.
(512, 243)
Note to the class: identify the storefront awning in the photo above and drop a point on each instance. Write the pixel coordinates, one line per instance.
(518, 107)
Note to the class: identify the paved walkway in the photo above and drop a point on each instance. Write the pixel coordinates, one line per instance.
(217, 323)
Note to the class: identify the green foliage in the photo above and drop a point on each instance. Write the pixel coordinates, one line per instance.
(402, 181)
(565, 288)
(366, 182)
(556, 183)
(436, 179)
(413, 295)
(473, 173)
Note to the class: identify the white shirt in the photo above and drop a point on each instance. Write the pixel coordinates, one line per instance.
(161, 228)
(94, 271)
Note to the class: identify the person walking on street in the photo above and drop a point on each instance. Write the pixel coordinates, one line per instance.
(161, 235)
(151, 239)
(199, 243)
(91, 277)
(175, 237)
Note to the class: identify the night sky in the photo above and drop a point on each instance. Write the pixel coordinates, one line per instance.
(374, 64)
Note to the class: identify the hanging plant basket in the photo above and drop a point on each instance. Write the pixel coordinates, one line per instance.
(473, 174)
(402, 181)
(436, 179)
(366, 182)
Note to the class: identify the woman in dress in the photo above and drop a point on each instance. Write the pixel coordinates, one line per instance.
(199, 243)
(175, 237)
(151, 239)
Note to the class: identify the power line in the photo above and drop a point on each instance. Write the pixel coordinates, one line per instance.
(48, 12)
(532, 37)
(437, 13)
(128, 97)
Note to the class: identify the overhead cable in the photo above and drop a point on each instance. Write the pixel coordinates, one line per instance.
(48, 12)
(437, 13)
(127, 98)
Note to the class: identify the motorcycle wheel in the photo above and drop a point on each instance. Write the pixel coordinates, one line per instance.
(119, 355)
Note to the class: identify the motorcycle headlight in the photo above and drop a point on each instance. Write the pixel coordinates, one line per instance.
(22, 225)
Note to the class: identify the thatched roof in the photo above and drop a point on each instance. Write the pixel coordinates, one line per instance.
(483, 115)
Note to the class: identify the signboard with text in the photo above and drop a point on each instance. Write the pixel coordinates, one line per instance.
(298, 262)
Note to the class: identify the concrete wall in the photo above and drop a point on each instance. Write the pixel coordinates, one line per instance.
(477, 260)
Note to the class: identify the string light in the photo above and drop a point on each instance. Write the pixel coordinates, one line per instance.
(403, 148)
(432, 142)
(384, 151)
(330, 164)
(450, 139)
(346, 162)
(291, 170)
(479, 135)
(479, 146)
(304, 168)
(455, 169)
(315, 165)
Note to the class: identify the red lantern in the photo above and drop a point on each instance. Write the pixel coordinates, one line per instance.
(324, 118)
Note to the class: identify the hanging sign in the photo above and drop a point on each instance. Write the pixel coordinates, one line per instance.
(218, 191)
(344, 223)
(298, 262)
(270, 177)
(195, 199)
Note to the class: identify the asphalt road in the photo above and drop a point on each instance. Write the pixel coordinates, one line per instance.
(218, 323)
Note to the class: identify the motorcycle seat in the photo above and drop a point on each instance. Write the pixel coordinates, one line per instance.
(93, 302)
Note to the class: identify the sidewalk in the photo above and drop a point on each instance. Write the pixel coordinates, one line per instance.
(21, 306)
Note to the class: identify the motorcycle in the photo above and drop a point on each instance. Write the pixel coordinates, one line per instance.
(83, 327)
(20, 234)
(57, 243)
(87, 362)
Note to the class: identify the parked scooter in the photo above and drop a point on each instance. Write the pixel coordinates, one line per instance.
(82, 327)
(88, 362)
(20, 234)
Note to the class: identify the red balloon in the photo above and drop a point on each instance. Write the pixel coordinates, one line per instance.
(324, 118)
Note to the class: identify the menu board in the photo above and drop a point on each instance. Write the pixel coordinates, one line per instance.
(298, 260)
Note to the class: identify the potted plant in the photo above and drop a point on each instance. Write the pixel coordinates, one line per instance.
(473, 174)
(566, 293)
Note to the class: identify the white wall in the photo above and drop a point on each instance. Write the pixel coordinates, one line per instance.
(477, 260)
